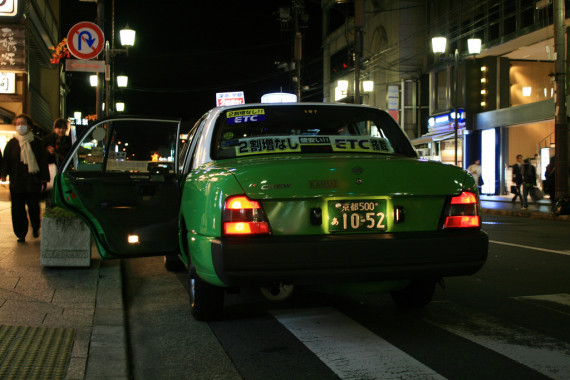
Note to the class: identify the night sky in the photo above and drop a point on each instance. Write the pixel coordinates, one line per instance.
(186, 51)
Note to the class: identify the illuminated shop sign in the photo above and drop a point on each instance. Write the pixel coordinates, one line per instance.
(7, 83)
(446, 121)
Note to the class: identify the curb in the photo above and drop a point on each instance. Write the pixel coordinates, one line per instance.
(527, 214)
(108, 349)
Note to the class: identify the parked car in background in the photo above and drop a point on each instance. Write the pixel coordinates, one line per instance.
(276, 195)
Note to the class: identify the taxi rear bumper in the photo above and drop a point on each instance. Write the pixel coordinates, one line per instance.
(348, 258)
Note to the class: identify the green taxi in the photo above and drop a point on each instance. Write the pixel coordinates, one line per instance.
(276, 195)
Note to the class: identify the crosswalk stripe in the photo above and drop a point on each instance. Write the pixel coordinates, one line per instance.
(349, 349)
(544, 354)
(557, 299)
(562, 298)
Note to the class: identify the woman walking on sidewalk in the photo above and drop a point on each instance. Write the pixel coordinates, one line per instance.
(25, 163)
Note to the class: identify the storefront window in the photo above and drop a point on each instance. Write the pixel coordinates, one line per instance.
(531, 82)
(447, 151)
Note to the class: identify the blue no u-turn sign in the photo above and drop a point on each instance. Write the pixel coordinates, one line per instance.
(85, 40)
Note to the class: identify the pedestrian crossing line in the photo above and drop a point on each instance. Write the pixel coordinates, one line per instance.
(567, 253)
(544, 354)
(348, 349)
(559, 299)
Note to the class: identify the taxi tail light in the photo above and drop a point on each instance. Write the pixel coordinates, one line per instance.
(462, 211)
(243, 216)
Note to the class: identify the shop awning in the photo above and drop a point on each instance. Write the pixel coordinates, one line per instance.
(427, 138)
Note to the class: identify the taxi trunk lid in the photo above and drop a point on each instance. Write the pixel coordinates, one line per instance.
(304, 195)
(354, 176)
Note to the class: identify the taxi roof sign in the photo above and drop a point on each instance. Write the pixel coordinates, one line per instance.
(279, 97)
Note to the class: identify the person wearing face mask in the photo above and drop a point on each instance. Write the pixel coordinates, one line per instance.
(25, 164)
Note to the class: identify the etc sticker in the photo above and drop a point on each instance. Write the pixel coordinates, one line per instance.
(245, 116)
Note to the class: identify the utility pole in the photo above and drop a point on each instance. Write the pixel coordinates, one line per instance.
(358, 25)
(298, 9)
(560, 119)
(98, 93)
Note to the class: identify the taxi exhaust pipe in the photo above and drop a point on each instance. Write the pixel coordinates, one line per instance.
(277, 291)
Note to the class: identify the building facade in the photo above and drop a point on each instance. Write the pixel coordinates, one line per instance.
(503, 96)
(29, 83)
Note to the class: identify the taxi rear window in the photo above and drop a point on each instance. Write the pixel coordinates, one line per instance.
(286, 129)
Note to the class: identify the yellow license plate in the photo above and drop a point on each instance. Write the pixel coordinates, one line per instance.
(362, 215)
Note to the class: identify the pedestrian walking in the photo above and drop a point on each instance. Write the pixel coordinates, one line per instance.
(475, 170)
(517, 178)
(25, 164)
(529, 180)
(549, 183)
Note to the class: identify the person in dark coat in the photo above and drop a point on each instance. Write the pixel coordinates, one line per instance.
(529, 180)
(25, 163)
(549, 183)
(518, 177)
(57, 143)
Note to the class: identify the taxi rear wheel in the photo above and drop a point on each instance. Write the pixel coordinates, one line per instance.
(417, 294)
(206, 300)
(172, 263)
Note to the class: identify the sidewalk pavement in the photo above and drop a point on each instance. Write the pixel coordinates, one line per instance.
(69, 323)
(58, 323)
(502, 205)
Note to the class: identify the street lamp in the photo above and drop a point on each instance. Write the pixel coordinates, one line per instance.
(127, 37)
(122, 80)
(474, 47)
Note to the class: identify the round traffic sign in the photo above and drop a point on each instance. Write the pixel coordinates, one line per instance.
(85, 40)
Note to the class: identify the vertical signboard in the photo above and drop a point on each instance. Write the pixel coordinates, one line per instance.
(393, 101)
(7, 83)
(12, 47)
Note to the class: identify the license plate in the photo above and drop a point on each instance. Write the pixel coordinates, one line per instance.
(363, 215)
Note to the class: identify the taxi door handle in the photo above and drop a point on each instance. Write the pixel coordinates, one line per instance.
(148, 190)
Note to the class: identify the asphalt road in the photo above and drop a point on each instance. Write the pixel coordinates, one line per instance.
(510, 320)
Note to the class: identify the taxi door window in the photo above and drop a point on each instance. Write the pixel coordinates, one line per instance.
(128, 146)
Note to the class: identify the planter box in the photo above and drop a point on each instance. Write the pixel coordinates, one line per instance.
(65, 243)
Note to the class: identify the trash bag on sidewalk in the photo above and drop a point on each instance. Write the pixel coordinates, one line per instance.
(561, 206)
(536, 193)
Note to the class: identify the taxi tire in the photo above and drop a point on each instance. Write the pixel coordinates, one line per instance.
(417, 294)
(206, 300)
(172, 263)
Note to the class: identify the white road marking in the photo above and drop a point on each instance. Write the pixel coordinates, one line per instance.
(349, 349)
(544, 354)
(529, 247)
(561, 299)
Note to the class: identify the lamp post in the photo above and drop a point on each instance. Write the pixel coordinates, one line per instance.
(439, 46)
(127, 37)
